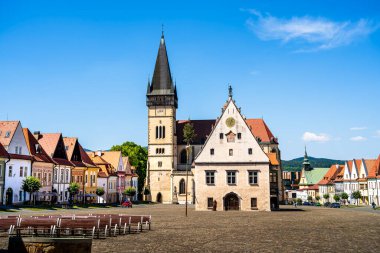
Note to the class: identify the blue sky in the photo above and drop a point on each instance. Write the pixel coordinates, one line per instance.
(311, 69)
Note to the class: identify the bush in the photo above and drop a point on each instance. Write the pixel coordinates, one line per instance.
(100, 191)
(130, 191)
(336, 198)
(299, 201)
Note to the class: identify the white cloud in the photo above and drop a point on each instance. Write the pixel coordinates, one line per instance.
(317, 33)
(358, 138)
(313, 137)
(358, 128)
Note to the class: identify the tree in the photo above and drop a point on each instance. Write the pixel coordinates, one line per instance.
(309, 198)
(130, 191)
(73, 190)
(100, 191)
(357, 195)
(317, 198)
(31, 185)
(326, 196)
(138, 157)
(336, 197)
(299, 201)
(344, 196)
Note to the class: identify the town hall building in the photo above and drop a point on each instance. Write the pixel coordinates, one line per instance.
(234, 163)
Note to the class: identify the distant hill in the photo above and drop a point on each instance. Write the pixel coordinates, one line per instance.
(296, 164)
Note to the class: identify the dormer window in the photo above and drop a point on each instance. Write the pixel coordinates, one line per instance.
(7, 134)
(38, 149)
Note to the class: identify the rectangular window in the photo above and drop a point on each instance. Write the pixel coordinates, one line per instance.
(210, 203)
(210, 177)
(159, 164)
(231, 152)
(212, 151)
(231, 177)
(239, 136)
(20, 196)
(21, 171)
(19, 151)
(273, 177)
(253, 177)
(67, 176)
(221, 136)
(62, 175)
(253, 203)
(250, 151)
(25, 171)
(16, 150)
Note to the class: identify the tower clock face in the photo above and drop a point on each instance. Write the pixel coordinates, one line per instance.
(230, 122)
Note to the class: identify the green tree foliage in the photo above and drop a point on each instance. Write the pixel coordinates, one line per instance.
(296, 164)
(357, 195)
(344, 196)
(31, 185)
(326, 196)
(317, 197)
(309, 198)
(73, 188)
(299, 201)
(130, 191)
(138, 157)
(100, 191)
(189, 133)
(336, 198)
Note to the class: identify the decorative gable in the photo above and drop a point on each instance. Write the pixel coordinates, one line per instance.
(231, 141)
(347, 173)
(18, 144)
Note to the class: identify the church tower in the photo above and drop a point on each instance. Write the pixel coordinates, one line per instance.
(162, 103)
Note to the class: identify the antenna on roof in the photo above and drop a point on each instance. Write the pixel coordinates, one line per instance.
(162, 30)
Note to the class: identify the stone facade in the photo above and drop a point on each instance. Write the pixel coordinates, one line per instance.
(167, 158)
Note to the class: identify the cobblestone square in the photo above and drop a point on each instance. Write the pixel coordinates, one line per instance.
(311, 230)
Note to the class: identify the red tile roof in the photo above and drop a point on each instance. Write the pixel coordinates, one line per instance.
(7, 128)
(374, 170)
(49, 142)
(31, 143)
(203, 128)
(85, 158)
(21, 157)
(331, 174)
(69, 146)
(3, 152)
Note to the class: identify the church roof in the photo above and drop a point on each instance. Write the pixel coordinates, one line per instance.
(315, 175)
(202, 128)
(162, 82)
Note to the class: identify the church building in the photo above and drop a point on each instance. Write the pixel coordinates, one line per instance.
(235, 162)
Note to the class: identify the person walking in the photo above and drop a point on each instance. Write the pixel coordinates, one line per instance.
(373, 205)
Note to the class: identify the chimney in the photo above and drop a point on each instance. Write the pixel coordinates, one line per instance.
(337, 166)
(99, 153)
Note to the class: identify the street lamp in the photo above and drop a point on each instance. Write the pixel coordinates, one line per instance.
(188, 151)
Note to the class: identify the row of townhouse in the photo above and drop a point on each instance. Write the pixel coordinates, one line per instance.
(58, 161)
(355, 175)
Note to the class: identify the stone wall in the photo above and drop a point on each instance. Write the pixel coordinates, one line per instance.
(49, 245)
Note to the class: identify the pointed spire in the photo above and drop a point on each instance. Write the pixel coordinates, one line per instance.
(162, 79)
(306, 163)
(148, 88)
(229, 91)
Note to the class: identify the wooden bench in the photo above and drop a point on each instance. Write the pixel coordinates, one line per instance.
(78, 227)
(7, 224)
(36, 226)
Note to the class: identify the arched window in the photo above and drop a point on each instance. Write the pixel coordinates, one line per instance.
(183, 156)
(182, 186)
